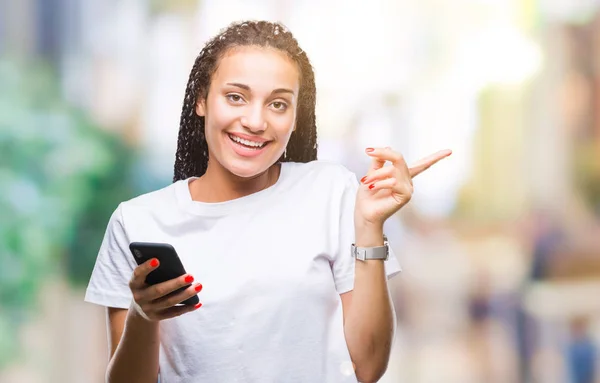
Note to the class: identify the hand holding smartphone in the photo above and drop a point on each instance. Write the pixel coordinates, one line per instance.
(160, 285)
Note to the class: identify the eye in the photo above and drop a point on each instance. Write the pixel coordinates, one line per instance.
(278, 105)
(234, 98)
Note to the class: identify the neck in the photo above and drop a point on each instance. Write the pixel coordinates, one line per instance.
(220, 185)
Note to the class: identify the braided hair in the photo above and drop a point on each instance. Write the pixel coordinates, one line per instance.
(191, 158)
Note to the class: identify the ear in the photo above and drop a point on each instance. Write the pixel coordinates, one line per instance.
(201, 107)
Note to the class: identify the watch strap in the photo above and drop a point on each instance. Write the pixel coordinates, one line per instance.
(367, 253)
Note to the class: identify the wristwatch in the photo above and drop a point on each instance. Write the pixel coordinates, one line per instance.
(366, 253)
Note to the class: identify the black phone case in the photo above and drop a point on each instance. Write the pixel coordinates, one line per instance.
(170, 265)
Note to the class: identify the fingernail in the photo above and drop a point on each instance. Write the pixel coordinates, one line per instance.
(189, 279)
(371, 186)
(198, 306)
(362, 180)
(198, 287)
(154, 262)
(369, 150)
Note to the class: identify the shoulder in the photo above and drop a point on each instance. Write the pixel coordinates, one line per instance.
(320, 179)
(156, 200)
(320, 169)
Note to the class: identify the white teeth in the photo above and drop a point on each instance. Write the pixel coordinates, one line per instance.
(246, 142)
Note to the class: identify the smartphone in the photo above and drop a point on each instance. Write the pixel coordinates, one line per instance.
(170, 265)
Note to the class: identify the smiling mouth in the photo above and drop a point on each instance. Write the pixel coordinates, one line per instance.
(247, 143)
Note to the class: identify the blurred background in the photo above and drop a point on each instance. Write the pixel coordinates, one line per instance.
(500, 246)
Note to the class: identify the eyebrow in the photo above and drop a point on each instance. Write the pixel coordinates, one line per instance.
(246, 87)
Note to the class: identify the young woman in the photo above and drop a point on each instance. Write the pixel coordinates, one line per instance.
(264, 230)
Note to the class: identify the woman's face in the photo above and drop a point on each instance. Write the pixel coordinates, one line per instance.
(250, 110)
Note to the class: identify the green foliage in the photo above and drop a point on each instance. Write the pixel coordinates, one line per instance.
(587, 173)
(60, 179)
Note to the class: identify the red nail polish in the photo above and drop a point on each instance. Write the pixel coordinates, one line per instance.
(362, 180)
(371, 186)
(198, 306)
(199, 287)
(369, 150)
(189, 279)
(154, 262)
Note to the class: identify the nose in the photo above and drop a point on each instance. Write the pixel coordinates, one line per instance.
(254, 120)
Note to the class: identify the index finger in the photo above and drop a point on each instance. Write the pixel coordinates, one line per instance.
(426, 162)
(138, 279)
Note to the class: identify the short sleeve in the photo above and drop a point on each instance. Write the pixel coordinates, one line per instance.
(344, 262)
(109, 283)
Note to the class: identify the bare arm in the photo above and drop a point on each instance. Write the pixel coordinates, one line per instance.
(133, 334)
(133, 345)
(368, 309)
(369, 314)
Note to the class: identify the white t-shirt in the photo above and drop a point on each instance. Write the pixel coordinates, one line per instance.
(273, 265)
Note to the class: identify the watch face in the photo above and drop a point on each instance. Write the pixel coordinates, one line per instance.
(379, 252)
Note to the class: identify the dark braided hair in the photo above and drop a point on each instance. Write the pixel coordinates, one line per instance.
(192, 151)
